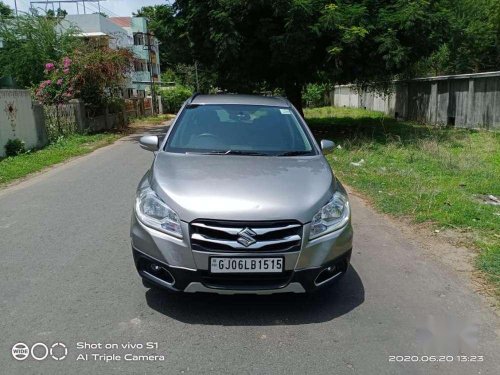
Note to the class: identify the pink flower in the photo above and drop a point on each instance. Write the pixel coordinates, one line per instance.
(66, 62)
(60, 81)
(45, 84)
(66, 70)
(49, 67)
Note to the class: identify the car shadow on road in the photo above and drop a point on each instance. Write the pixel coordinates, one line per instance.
(248, 310)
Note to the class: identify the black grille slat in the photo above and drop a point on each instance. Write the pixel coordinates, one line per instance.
(226, 231)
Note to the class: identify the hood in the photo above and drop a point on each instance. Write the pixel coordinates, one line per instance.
(230, 187)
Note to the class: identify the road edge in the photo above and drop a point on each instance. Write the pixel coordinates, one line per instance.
(459, 259)
(35, 176)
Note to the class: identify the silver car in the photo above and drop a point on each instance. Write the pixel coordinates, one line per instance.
(240, 199)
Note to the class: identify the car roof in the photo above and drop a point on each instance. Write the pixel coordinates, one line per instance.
(271, 101)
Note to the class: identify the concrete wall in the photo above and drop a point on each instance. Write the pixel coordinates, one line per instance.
(468, 100)
(29, 121)
(21, 118)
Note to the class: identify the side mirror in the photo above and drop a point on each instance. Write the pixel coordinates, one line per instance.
(149, 142)
(327, 146)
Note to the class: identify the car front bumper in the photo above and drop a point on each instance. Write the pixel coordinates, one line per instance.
(318, 262)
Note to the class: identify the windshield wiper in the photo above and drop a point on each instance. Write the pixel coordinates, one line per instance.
(206, 152)
(243, 152)
(229, 152)
(295, 153)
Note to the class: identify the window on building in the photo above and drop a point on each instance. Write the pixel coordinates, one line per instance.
(139, 39)
(140, 66)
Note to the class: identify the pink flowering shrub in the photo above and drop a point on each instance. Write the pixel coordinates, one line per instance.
(58, 88)
(91, 74)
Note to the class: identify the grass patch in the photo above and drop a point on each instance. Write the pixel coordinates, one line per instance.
(22, 165)
(430, 174)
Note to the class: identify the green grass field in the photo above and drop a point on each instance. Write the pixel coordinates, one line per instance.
(432, 175)
(22, 165)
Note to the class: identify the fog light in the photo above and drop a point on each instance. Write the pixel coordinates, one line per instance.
(326, 275)
(155, 268)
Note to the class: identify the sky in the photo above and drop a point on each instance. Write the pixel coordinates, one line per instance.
(110, 7)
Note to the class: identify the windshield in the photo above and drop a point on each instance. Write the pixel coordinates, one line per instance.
(240, 130)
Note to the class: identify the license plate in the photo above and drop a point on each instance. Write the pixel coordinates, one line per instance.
(246, 265)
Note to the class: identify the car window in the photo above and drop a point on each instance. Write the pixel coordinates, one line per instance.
(239, 129)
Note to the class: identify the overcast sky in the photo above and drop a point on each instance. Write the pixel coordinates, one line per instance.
(110, 7)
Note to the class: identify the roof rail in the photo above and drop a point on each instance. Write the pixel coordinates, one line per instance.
(285, 99)
(193, 97)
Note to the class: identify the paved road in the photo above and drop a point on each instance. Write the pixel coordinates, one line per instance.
(67, 276)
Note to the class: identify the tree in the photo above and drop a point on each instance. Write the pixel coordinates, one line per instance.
(473, 38)
(289, 43)
(5, 10)
(258, 45)
(29, 42)
(61, 12)
(469, 38)
(100, 72)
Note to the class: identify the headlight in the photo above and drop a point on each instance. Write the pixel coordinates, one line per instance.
(153, 212)
(333, 215)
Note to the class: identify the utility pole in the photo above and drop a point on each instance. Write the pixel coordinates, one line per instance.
(15, 6)
(196, 75)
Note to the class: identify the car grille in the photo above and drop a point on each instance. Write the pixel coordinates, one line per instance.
(238, 236)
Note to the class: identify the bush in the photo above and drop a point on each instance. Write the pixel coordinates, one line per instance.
(173, 97)
(14, 147)
(314, 95)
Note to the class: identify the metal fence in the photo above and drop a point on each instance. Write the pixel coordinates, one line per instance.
(466, 100)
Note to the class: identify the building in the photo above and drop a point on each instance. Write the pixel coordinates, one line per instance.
(146, 49)
(125, 32)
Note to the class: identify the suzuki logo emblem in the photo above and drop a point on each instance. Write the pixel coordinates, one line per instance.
(246, 237)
